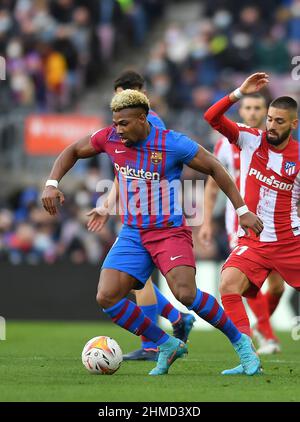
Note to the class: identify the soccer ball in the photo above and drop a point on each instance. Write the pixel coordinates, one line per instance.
(102, 355)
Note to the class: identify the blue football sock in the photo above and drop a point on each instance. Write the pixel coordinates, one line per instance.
(165, 308)
(128, 315)
(207, 307)
(151, 312)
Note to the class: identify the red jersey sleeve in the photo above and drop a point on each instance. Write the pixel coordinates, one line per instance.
(236, 133)
(99, 138)
(215, 117)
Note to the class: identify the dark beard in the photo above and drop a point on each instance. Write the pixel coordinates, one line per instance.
(279, 140)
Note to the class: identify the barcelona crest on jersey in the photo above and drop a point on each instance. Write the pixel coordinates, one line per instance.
(156, 157)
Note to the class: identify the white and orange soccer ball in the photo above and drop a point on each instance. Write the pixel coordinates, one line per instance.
(102, 355)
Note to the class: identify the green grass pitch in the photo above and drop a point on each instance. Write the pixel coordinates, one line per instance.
(41, 361)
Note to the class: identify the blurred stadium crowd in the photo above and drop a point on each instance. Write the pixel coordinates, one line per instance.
(29, 235)
(196, 64)
(55, 49)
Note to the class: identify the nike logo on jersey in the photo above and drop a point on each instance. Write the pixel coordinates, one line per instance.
(175, 257)
(118, 152)
(260, 155)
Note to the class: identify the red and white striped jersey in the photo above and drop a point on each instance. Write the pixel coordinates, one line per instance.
(269, 178)
(229, 155)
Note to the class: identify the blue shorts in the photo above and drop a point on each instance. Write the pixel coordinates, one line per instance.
(130, 256)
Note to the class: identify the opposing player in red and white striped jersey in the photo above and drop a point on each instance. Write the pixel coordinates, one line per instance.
(253, 111)
(270, 185)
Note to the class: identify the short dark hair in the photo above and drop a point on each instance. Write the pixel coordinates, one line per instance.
(285, 103)
(256, 95)
(129, 79)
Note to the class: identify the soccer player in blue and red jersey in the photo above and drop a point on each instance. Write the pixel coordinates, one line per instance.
(146, 160)
(151, 300)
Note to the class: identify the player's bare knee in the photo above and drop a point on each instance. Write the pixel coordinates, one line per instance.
(183, 291)
(233, 281)
(228, 286)
(185, 296)
(105, 299)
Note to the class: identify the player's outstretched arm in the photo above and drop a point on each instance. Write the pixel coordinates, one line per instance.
(210, 197)
(64, 162)
(206, 163)
(215, 114)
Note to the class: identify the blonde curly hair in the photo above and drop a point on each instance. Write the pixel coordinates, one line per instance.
(130, 98)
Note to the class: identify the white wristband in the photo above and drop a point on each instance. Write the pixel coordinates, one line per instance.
(237, 93)
(242, 210)
(53, 183)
